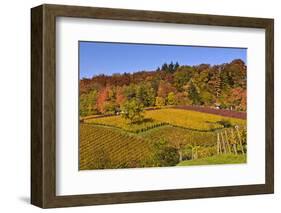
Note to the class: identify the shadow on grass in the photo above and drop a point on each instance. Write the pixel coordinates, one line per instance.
(145, 120)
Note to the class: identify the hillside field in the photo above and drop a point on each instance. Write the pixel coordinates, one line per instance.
(166, 137)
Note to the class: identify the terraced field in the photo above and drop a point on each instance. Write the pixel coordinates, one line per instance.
(112, 142)
(119, 122)
(191, 119)
(175, 117)
(204, 141)
(103, 147)
(177, 134)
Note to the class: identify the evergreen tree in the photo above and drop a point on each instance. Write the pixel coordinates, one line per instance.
(193, 94)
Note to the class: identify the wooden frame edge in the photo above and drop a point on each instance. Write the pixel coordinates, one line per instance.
(269, 105)
(36, 106)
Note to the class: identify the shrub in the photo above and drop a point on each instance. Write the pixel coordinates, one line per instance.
(225, 123)
(160, 102)
(165, 155)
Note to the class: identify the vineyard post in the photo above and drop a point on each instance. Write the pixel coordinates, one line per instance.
(227, 142)
(180, 155)
(191, 153)
(195, 153)
(234, 145)
(223, 143)
(239, 137)
(218, 143)
(197, 147)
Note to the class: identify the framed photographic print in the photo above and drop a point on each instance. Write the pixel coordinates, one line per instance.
(137, 106)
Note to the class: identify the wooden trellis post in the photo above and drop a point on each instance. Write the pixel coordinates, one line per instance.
(227, 142)
(218, 144)
(240, 141)
(234, 145)
(196, 152)
(223, 143)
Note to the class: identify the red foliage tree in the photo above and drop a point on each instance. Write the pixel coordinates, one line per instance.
(120, 98)
(102, 98)
(164, 89)
(238, 98)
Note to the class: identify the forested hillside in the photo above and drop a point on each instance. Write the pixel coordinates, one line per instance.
(220, 86)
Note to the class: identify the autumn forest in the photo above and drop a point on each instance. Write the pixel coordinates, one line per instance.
(220, 86)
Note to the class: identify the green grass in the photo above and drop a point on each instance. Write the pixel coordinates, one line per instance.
(217, 159)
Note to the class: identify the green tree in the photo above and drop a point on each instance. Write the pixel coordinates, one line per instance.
(165, 155)
(165, 67)
(193, 94)
(130, 91)
(88, 103)
(171, 67)
(176, 66)
(171, 99)
(145, 94)
(159, 101)
(133, 111)
(180, 79)
(207, 98)
(110, 107)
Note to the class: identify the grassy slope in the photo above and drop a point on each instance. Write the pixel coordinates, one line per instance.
(218, 159)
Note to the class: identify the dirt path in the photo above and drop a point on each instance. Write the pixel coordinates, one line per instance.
(222, 112)
(95, 116)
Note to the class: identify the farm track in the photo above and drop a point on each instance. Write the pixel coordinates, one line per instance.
(221, 112)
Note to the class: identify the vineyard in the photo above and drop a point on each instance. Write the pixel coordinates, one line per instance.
(175, 117)
(102, 147)
(191, 119)
(166, 137)
(118, 121)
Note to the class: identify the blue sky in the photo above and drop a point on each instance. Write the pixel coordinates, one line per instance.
(109, 58)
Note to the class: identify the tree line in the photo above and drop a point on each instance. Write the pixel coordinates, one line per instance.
(222, 86)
